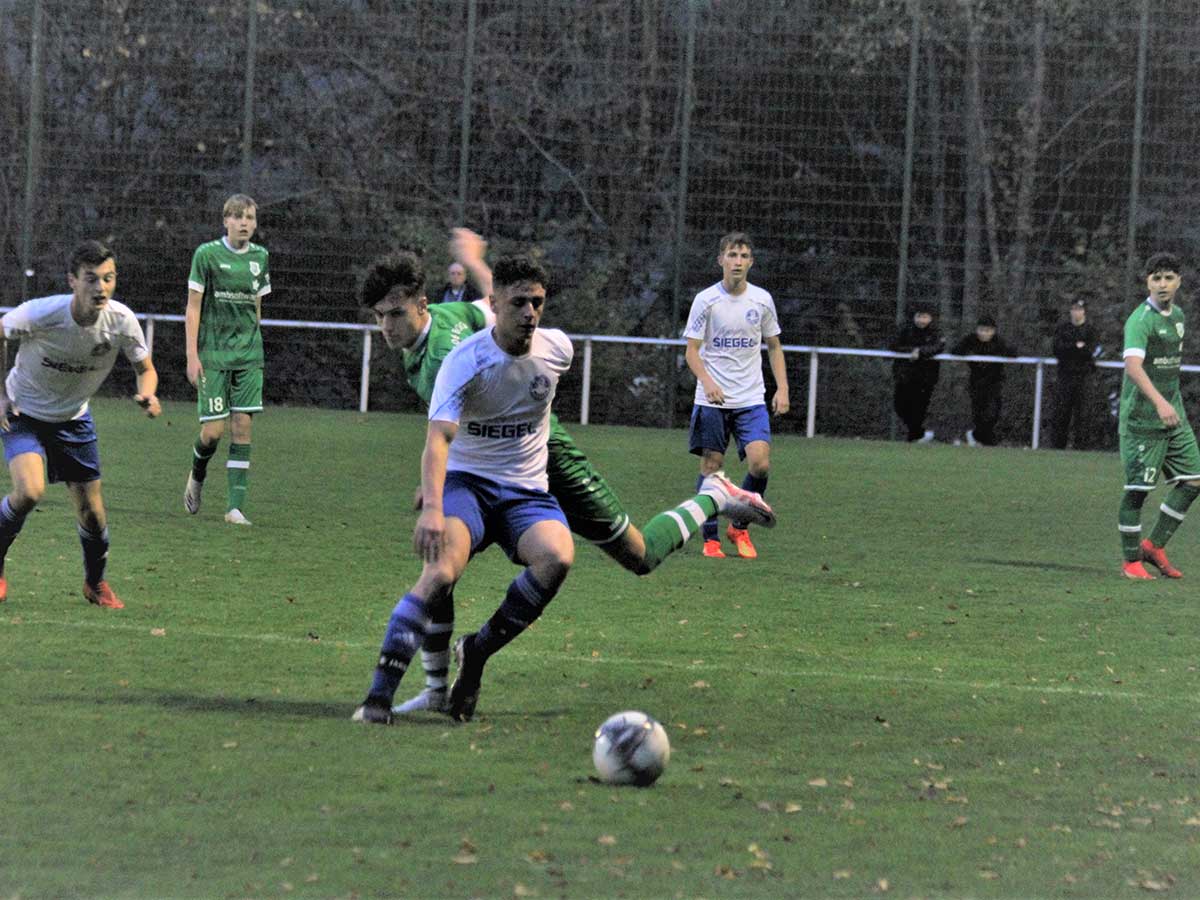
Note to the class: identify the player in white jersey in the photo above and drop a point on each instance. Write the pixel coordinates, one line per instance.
(483, 481)
(727, 326)
(68, 344)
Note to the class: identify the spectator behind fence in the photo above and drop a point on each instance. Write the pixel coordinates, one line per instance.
(1076, 349)
(986, 384)
(916, 376)
(456, 289)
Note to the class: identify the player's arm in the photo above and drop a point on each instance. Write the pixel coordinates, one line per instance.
(1136, 371)
(780, 403)
(468, 249)
(430, 532)
(147, 387)
(712, 390)
(191, 335)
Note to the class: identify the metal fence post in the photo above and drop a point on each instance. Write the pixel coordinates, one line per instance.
(150, 334)
(1135, 165)
(365, 375)
(1038, 378)
(248, 95)
(810, 424)
(464, 130)
(585, 400)
(910, 129)
(33, 146)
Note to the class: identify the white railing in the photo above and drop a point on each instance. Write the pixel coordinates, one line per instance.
(589, 340)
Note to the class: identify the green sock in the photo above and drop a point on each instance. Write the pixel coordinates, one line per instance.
(1129, 522)
(670, 530)
(200, 457)
(1171, 513)
(238, 470)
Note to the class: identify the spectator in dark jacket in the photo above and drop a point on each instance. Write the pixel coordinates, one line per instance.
(986, 380)
(917, 375)
(1076, 348)
(456, 288)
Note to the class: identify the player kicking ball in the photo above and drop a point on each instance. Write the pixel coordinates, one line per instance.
(394, 292)
(1154, 431)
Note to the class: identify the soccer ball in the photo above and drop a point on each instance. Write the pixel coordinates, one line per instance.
(631, 748)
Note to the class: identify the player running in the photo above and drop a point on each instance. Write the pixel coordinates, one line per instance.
(483, 480)
(69, 343)
(1154, 431)
(394, 291)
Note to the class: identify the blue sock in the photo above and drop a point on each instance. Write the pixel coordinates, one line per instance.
(10, 526)
(756, 483)
(522, 605)
(405, 633)
(708, 531)
(95, 554)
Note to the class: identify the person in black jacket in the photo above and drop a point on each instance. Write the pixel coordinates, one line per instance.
(456, 288)
(1076, 348)
(986, 380)
(917, 375)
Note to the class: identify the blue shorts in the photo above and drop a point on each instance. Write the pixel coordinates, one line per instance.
(69, 448)
(497, 513)
(712, 427)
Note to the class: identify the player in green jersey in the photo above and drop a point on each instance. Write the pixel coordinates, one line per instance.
(228, 280)
(1155, 435)
(394, 291)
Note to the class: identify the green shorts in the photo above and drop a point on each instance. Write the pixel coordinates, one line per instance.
(222, 391)
(1172, 454)
(592, 509)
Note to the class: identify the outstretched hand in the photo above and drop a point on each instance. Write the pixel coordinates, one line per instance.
(149, 403)
(466, 246)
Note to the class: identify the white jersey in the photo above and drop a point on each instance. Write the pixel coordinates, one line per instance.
(60, 363)
(732, 329)
(501, 404)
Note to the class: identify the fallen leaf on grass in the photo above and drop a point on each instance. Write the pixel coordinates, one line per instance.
(606, 840)
(792, 808)
(818, 782)
(158, 632)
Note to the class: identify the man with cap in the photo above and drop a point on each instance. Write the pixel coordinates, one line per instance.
(916, 373)
(986, 384)
(1075, 347)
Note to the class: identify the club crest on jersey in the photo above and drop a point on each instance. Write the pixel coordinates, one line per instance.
(255, 269)
(539, 388)
(752, 315)
(101, 348)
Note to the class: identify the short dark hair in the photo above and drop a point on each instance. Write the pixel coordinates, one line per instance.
(90, 254)
(398, 269)
(510, 270)
(735, 239)
(986, 321)
(1162, 262)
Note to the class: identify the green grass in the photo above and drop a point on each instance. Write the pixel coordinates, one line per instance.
(931, 684)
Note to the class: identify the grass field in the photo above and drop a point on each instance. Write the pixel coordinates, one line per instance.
(933, 683)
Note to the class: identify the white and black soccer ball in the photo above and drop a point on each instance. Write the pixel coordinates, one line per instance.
(631, 748)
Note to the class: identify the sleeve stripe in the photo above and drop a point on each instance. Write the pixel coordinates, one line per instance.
(1139, 352)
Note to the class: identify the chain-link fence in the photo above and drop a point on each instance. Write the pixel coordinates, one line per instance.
(984, 157)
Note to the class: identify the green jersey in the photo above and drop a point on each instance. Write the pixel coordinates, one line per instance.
(449, 325)
(1157, 338)
(232, 283)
